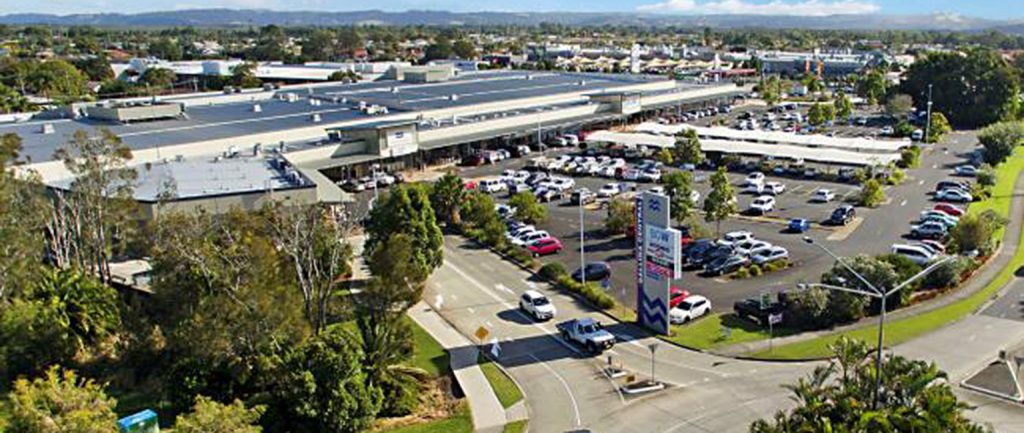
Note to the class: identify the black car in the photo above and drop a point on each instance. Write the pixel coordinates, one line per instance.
(714, 253)
(694, 250)
(594, 271)
(750, 309)
(726, 265)
(843, 215)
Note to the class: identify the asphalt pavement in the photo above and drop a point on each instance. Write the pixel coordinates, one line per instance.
(567, 390)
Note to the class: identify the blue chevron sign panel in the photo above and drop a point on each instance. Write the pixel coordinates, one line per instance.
(657, 249)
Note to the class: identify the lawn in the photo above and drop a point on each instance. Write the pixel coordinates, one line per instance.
(507, 391)
(428, 354)
(708, 333)
(515, 427)
(898, 331)
(461, 421)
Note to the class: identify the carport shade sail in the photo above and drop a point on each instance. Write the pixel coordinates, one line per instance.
(782, 151)
(761, 136)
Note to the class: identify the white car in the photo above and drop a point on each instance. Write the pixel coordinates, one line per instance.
(384, 179)
(966, 170)
(572, 139)
(769, 255)
(492, 185)
(610, 190)
(916, 253)
(651, 175)
(516, 188)
(507, 176)
(751, 247)
(888, 130)
(763, 204)
(657, 190)
(520, 176)
(754, 188)
(755, 177)
(693, 307)
(537, 305)
(954, 195)
(607, 172)
(823, 195)
(504, 210)
(631, 174)
(774, 188)
(733, 238)
(529, 237)
(561, 183)
(694, 196)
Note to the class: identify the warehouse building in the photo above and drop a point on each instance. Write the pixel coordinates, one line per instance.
(297, 143)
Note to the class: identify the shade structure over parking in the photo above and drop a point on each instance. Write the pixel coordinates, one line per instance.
(762, 136)
(745, 148)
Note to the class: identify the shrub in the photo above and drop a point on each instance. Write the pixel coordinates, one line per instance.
(871, 193)
(950, 275)
(910, 157)
(776, 265)
(552, 271)
(591, 291)
(756, 271)
(986, 176)
(896, 177)
(808, 309)
(520, 255)
(742, 273)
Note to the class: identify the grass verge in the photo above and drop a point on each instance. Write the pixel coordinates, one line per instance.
(707, 333)
(427, 353)
(461, 421)
(515, 427)
(898, 331)
(504, 387)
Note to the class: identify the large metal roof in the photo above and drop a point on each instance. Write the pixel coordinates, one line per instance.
(808, 140)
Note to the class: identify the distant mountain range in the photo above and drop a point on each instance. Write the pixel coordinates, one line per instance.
(231, 17)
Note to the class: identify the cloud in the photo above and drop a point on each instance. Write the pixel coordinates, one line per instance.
(773, 7)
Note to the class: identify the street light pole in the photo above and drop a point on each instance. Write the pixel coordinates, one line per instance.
(583, 266)
(874, 292)
(928, 121)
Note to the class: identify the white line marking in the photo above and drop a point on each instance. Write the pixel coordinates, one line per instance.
(503, 288)
(903, 203)
(575, 406)
(471, 310)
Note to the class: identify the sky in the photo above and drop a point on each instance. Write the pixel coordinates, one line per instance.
(994, 9)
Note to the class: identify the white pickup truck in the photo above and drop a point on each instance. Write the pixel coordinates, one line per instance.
(588, 333)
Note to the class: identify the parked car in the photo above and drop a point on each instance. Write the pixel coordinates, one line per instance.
(676, 295)
(798, 225)
(593, 271)
(966, 170)
(756, 188)
(768, 255)
(530, 237)
(752, 309)
(726, 265)
(751, 247)
(954, 195)
(755, 177)
(933, 245)
(763, 204)
(582, 196)
(545, 246)
(516, 188)
(953, 184)
(774, 188)
(823, 195)
(491, 186)
(537, 305)
(916, 253)
(937, 216)
(519, 230)
(691, 308)
(929, 230)
(842, 215)
(588, 333)
(733, 238)
(694, 250)
(504, 211)
(651, 175)
(949, 209)
(610, 190)
(548, 194)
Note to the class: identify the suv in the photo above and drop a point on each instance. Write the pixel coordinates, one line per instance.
(929, 230)
(593, 271)
(733, 238)
(582, 196)
(843, 215)
(689, 309)
(537, 305)
(763, 204)
(751, 309)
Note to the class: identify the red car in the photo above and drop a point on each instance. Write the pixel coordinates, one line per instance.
(675, 296)
(948, 209)
(545, 246)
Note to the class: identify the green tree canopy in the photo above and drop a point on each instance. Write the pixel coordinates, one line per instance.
(687, 149)
(973, 90)
(1000, 140)
(447, 197)
(721, 200)
(209, 416)
(679, 188)
(407, 209)
(527, 207)
(60, 401)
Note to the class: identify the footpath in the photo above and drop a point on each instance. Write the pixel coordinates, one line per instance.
(978, 281)
(488, 414)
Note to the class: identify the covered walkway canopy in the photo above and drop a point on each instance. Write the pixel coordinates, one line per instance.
(761, 136)
(779, 151)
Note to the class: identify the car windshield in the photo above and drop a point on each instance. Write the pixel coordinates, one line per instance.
(589, 329)
(540, 301)
(684, 305)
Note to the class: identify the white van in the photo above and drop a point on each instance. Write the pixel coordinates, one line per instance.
(917, 254)
(917, 135)
(492, 185)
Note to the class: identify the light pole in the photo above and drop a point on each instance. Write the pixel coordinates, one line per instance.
(374, 168)
(928, 120)
(877, 293)
(583, 266)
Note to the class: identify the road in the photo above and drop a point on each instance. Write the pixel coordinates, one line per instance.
(567, 390)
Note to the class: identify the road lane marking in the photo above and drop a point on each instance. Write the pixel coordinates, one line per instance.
(470, 309)
(503, 288)
(903, 203)
(572, 397)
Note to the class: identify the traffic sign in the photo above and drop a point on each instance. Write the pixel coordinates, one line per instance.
(775, 319)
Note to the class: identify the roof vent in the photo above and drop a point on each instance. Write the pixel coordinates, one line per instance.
(394, 89)
(528, 77)
(315, 117)
(454, 97)
(179, 158)
(256, 108)
(47, 128)
(256, 149)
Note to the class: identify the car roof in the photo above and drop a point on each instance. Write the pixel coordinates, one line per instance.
(533, 294)
(586, 321)
(694, 298)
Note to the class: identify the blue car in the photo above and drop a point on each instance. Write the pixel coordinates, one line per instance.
(799, 225)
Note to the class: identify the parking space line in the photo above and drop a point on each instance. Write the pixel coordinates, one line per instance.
(565, 385)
